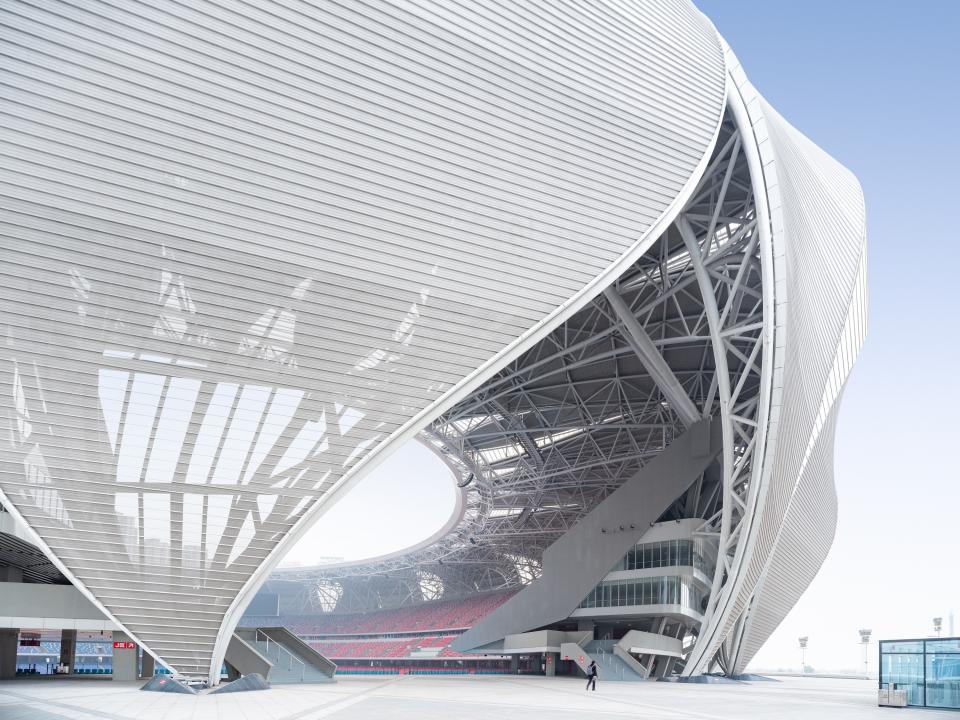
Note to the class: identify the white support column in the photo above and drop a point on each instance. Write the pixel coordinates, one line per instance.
(124, 658)
(722, 375)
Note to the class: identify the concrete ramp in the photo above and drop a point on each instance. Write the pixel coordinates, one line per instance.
(293, 660)
(248, 683)
(167, 684)
(578, 560)
(661, 652)
(243, 658)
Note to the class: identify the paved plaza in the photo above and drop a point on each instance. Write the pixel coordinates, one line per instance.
(457, 698)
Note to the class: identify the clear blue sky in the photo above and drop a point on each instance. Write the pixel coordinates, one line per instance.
(875, 84)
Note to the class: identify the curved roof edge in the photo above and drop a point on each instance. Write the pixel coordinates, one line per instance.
(818, 323)
(467, 385)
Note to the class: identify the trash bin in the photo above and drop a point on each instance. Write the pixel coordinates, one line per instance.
(890, 696)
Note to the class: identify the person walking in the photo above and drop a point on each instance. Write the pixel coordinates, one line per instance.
(592, 676)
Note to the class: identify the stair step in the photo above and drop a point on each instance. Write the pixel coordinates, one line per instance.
(610, 665)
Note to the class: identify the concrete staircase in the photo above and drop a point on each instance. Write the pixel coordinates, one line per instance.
(287, 667)
(609, 665)
(293, 660)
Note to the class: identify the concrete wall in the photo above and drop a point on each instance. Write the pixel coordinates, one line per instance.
(8, 652)
(243, 657)
(672, 530)
(647, 643)
(34, 605)
(539, 641)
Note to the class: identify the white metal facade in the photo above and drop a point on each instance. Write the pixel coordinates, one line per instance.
(246, 250)
(818, 233)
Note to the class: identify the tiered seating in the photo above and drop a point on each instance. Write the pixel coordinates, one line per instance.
(439, 615)
(365, 649)
(371, 649)
(433, 642)
(384, 635)
(52, 647)
(451, 653)
(95, 648)
(45, 648)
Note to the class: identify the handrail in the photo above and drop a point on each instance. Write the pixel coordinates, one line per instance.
(630, 661)
(291, 658)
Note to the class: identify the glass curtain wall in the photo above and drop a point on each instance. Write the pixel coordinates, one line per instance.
(929, 670)
(667, 553)
(669, 590)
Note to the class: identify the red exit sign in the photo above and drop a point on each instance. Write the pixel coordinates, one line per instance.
(124, 645)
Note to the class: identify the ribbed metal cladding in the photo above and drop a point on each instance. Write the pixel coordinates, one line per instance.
(818, 232)
(803, 543)
(810, 521)
(244, 244)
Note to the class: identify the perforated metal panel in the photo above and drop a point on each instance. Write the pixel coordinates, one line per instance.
(245, 246)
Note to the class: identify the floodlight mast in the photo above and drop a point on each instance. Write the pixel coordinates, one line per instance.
(803, 653)
(865, 641)
(937, 625)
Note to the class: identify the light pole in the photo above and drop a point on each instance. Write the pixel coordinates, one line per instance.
(937, 625)
(803, 654)
(865, 641)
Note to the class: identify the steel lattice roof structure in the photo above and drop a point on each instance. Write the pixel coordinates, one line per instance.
(249, 251)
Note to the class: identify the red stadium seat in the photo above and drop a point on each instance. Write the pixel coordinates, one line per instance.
(338, 632)
(437, 615)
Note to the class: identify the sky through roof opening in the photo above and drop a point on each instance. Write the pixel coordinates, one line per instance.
(404, 501)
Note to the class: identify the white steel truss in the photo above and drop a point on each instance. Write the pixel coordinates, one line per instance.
(678, 336)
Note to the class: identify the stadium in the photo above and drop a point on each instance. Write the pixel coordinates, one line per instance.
(250, 252)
